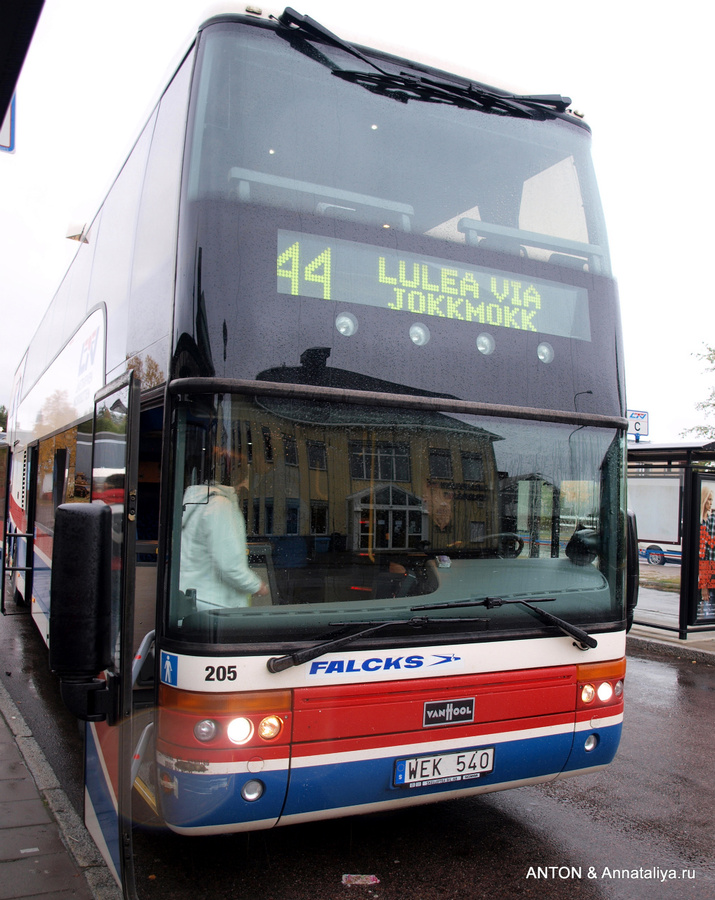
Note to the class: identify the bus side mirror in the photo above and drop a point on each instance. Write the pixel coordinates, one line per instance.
(81, 608)
(632, 570)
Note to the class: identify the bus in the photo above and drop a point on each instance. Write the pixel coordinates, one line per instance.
(318, 475)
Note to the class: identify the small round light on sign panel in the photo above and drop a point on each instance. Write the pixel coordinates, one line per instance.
(347, 324)
(419, 334)
(486, 344)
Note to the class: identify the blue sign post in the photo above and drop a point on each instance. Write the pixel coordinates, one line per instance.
(637, 423)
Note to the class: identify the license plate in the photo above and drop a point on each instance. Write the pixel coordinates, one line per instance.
(416, 771)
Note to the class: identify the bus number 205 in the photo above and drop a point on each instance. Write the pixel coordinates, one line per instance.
(221, 673)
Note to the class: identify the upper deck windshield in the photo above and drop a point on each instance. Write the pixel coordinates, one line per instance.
(321, 211)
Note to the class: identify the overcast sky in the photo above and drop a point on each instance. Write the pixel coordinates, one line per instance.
(640, 71)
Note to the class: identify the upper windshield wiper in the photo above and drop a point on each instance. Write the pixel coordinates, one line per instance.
(582, 637)
(408, 86)
(279, 663)
(290, 18)
(467, 95)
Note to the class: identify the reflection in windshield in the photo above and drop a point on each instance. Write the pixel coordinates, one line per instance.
(333, 509)
(498, 179)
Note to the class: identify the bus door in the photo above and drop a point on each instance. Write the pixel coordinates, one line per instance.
(18, 528)
(91, 621)
(4, 490)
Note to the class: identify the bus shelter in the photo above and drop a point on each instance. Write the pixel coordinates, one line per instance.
(674, 486)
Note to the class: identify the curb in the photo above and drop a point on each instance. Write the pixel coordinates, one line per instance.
(641, 645)
(73, 834)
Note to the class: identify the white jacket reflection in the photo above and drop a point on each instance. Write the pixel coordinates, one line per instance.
(214, 561)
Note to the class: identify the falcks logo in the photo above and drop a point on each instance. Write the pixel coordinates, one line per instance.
(352, 666)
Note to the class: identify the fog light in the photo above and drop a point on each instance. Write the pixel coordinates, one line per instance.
(205, 730)
(239, 731)
(605, 691)
(591, 743)
(252, 790)
(270, 727)
(588, 692)
(419, 334)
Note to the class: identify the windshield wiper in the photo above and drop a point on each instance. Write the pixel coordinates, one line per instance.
(583, 638)
(296, 22)
(280, 663)
(408, 86)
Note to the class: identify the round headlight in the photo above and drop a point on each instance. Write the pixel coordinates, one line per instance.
(239, 730)
(545, 352)
(270, 727)
(605, 691)
(619, 689)
(588, 692)
(205, 730)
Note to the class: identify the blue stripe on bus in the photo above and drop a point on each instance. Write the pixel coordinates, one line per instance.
(101, 796)
(202, 801)
(354, 784)
(608, 739)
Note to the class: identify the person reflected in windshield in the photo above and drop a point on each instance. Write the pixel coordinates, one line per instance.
(214, 556)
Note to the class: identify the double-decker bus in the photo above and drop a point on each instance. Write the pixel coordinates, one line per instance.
(318, 471)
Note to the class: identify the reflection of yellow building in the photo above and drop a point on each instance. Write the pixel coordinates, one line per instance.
(63, 472)
(363, 485)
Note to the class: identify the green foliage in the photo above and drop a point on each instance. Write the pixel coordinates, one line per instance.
(705, 431)
(3, 418)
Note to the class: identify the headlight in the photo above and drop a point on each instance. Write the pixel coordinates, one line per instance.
(605, 691)
(270, 727)
(588, 692)
(240, 730)
(205, 730)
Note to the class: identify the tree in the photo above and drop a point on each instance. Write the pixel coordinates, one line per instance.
(3, 418)
(706, 431)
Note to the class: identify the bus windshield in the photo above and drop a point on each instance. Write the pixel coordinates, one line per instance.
(297, 516)
(473, 266)
(317, 254)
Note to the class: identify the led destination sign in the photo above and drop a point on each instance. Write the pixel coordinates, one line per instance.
(348, 272)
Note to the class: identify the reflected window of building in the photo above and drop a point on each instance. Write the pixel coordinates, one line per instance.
(290, 450)
(440, 463)
(317, 458)
(472, 467)
(380, 461)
